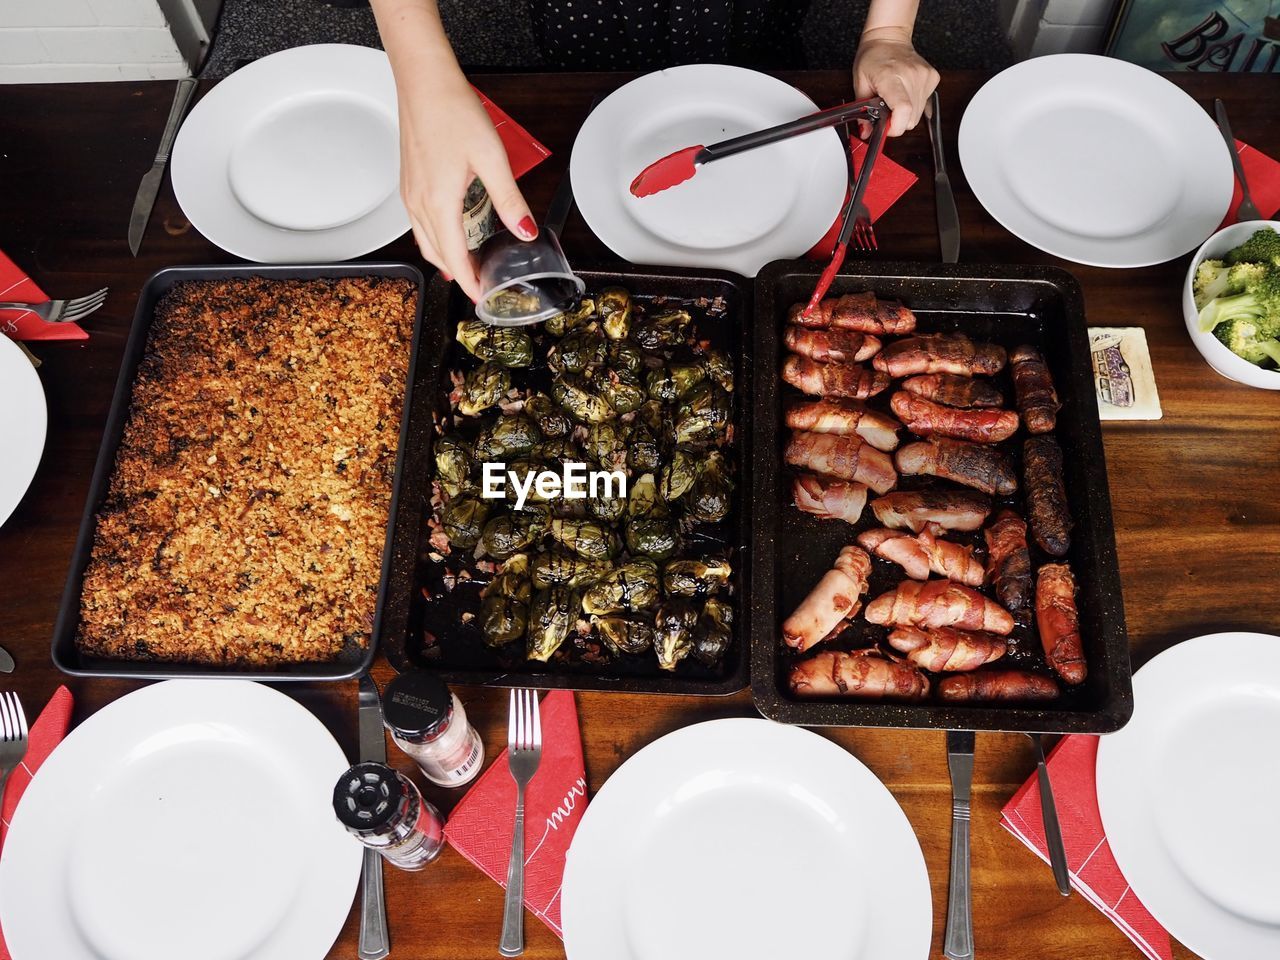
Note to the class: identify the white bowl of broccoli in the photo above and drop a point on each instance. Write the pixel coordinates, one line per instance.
(1231, 302)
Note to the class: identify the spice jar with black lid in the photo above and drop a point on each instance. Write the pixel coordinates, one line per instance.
(384, 810)
(428, 722)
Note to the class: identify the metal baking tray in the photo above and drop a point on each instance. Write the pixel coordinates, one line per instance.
(460, 655)
(353, 660)
(1008, 305)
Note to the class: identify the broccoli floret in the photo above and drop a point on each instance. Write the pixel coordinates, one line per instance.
(1259, 301)
(1210, 281)
(1245, 339)
(1243, 277)
(1262, 247)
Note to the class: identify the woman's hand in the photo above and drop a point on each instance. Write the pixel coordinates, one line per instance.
(888, 66)
(446, 141)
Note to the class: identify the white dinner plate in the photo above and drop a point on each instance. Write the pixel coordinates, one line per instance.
(748, 839)
(190, 819)
(1096, 160)
(1190, 790)
(24, 420)
(295, 157)
(735, 214)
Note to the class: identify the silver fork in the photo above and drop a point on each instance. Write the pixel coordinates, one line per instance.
(524, 753)
(62, 311)
(13, 736)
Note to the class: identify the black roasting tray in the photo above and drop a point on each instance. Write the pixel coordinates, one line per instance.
(1008, 305)
(353, 660)
(459, 654)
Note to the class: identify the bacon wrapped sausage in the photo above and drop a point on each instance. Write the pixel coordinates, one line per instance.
(953, 390)
(845, 380)
(831, 346)
(973, 464)
(997, 685)
(946, 648)
(829, 499)
(864, 312)
(848, 458)
(940, 353)
(834, 599)
(939, 603)
(845, 417)
(1033, 386)
(860, 673)
(923, 553)
(950, 508)
(1008, 560)
(926, 418)
(1047, 509)
(1059, 623)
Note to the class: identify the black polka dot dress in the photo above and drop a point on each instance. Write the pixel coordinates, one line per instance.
(647, 35)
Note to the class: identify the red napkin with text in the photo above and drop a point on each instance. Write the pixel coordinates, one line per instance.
(17, 287)
(523, 151)
(1072, 769)
(889, 181)
(46, 733)
(1263, 174)
(481, 825)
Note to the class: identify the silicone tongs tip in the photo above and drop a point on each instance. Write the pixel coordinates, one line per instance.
(671, 170)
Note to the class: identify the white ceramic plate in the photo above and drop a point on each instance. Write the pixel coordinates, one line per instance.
(1096, 160)
(1189, 793)
(191, 819)
(24, 420)
(735, 214)
(295, 157)
(748, 839)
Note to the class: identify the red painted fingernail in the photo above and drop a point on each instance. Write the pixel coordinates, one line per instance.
(447, 278)
(527, 228)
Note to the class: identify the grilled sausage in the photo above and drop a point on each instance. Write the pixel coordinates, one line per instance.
(939, 603)
(835, 598)
(981, 467)
(831, 346)
(845, 380)
(845, 417)
(829, 499)
(997, 685)
(848, 458)
(940, 353)
(1047, 509)
(923, 553)
(1008, 560)
(953, 390)
(1059, 623)
(863, 312)
(926, 418)
(1037, 400)
(860, 673)
(951, 508)
(946, 648)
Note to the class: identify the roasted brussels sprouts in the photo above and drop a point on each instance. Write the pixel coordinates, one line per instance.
(631, 587)
(661, 330)
(719, 369)
(586, 538)
(703, 414)
(453, 463)
(552, 615)
(580, 349)
(653, 415)
(507, 438)
(562, 323)
(504, 608)
(556, 568)
(625, 357)
(678, 475)
(673, 633)
(606, 444)
(574, 394)
(644, 453)
(714, 632)
(509, 533)
(620, 635)
(483, 387)
(621, 390)
(674, 380)
(695, 578)
(652, 536)
(550, 419)
(643, 499)
(511, 303)
(711, 495)
(505, 345)
(559, 450)
(615, 312)
(608, 509)
(462, 520)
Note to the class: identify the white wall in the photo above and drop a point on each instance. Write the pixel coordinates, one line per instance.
(56, 41)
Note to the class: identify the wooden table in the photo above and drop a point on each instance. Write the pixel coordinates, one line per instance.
(1197, 511)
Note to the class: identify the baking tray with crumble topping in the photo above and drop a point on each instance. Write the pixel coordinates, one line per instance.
(239, 518)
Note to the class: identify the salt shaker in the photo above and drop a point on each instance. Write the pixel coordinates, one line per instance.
(384, 810)
(429, 724)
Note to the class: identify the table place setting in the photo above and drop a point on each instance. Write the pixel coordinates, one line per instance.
(682, 598)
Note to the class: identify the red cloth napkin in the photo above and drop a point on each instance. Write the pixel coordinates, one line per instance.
(481, 825)
(17, 287)
(1072, 769)
(1263, 174)
(46, 733)
(889, 181)
(523, 151)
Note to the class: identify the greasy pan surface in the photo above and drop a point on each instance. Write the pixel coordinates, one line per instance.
(1008, 305)
(353, 660)
(459, 653)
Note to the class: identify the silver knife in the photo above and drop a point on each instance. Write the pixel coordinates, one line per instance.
(958, 942)
(375, 940)
(1247, 210)
(149, 188)
(6, 661)
(944, 200)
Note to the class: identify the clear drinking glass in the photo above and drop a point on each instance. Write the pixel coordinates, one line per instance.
(525, 281)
